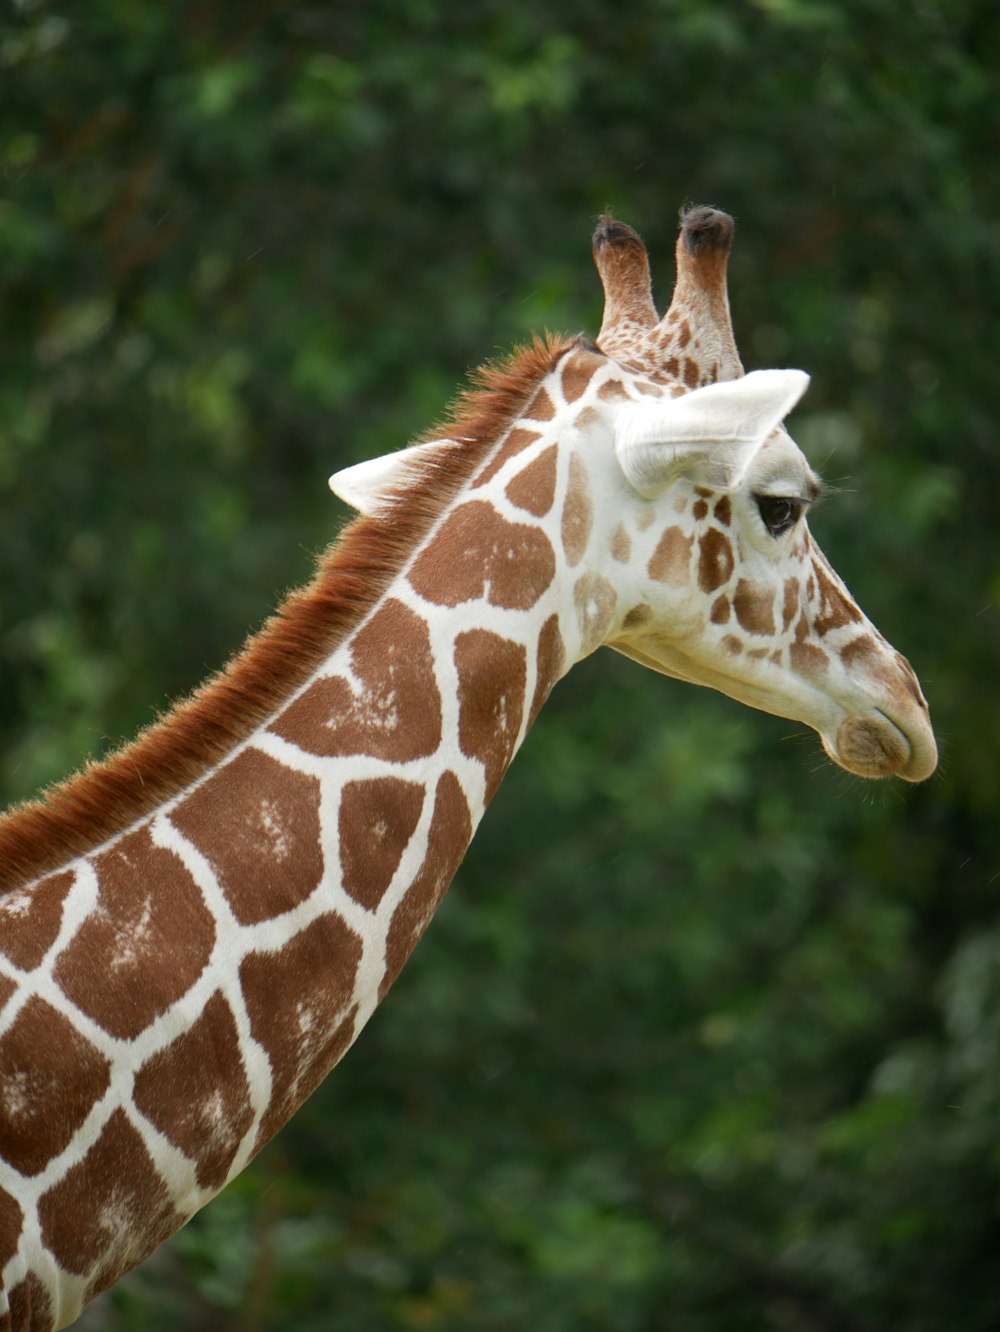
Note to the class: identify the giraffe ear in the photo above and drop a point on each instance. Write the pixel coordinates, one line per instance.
(709, 435)
(371, 485)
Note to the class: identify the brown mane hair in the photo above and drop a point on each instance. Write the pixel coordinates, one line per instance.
(110, 794)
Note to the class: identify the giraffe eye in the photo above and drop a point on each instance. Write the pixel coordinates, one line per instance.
(778, 514)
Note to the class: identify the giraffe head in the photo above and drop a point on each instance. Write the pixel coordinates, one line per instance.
(678, 510)
(726, 586)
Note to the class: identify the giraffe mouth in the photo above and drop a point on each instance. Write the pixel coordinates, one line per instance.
(876, 746)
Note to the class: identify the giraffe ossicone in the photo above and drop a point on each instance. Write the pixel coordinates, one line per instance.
(194, 930)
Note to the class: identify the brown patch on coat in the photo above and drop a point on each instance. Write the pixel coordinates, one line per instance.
(298, 1000)
(492, 679)
(863, 649)
(549, 664)
(534, 488)
(51, 1078)
(477, 553)
(30, 918)
(541, 408)
(753, 604)
(377, 819)
(578, 370)
(731, 644)
(645, 518)
(195, 1091)
(700, 510)
(11, 1222)
(112, 795)
(7, 988)
(590, 416)
(790, 603)
(621, 545)
(836, 608)
(806, 658)
(715, 560)
(720, 611)
(30, 1306)
(109, 1211)
(670, 562)
(578, 512)
(724, 511)
(447, 841)
(880, 662)
(257, 824)
(612, 390)
(595, 600)
(692, 372)
(397, 714)
(516, 442)
(145, 942)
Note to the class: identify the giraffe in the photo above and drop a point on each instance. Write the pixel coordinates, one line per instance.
(194, 930)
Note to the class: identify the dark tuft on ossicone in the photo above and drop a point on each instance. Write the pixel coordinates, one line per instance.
(706, 228)
(610, 231)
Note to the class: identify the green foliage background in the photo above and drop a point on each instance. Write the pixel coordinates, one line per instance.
(706, 1038)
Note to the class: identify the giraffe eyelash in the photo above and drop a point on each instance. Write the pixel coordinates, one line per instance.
(825, 490)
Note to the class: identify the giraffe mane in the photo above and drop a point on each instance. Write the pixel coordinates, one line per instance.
(111, 794)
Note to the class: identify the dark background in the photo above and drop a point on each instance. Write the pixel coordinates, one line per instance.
(706, 1037)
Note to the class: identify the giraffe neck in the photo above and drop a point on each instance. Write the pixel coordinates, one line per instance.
(196, 977)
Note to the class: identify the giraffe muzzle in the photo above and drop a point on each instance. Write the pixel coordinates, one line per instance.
(875, 746)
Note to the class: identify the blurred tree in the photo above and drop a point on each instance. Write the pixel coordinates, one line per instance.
(707, 1035)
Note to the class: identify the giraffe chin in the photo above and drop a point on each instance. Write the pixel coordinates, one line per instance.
(875, 747)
